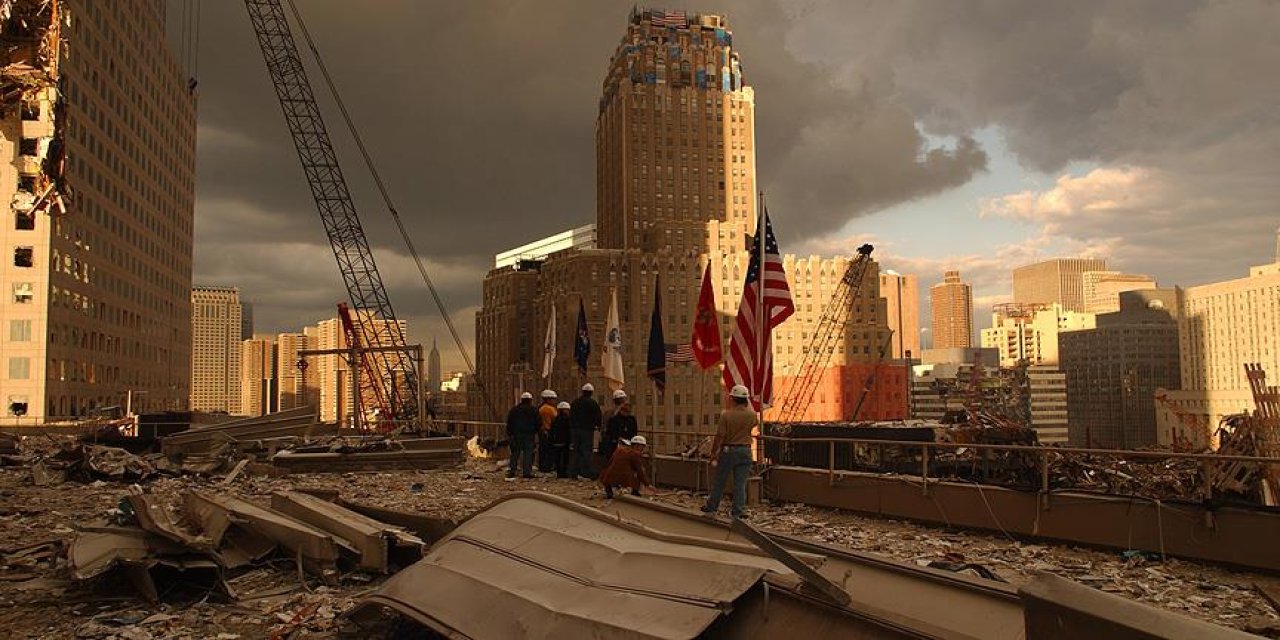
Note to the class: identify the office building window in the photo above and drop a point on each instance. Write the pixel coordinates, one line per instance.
(19, 368)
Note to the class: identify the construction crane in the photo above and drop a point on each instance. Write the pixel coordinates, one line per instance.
(822, 345)
(370, 323)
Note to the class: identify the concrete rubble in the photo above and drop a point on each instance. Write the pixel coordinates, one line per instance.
(275, 594)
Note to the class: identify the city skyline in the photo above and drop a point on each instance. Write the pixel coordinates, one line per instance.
(998, 210)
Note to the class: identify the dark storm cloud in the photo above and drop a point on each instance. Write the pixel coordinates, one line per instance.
(481, 117)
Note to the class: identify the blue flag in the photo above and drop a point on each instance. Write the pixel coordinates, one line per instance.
(582, 343)
(657, 363)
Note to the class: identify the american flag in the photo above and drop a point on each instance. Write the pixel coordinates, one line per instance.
(679, 352)
(746, 365)
(670, 19)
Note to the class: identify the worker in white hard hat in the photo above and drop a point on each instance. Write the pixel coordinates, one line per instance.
(522, 428)
(626, 467)
(560, 437)
(586, 420)
(546, 415)
(620, 424)
(731, 452)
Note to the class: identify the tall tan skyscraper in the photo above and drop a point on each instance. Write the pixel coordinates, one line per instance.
(1060, 280)
(901, 294)
(675, 136)
(216, 352)
(258, 376)
(676, 191)
(951, 303)
(94, 288)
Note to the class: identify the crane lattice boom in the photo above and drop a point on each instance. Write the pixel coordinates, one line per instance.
(830, 327)
(371, 311)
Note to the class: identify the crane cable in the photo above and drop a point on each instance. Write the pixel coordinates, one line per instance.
(391, 207)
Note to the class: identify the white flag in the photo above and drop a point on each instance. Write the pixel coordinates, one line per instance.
(549, 345)
(613, 347)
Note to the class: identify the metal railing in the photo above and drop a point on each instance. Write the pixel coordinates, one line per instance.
(927, 457)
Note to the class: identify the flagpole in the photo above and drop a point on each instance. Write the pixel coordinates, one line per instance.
(762, 229)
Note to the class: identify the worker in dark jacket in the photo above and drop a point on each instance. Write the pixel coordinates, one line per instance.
(559, 438)
(585, 421)
(522, 428)
(626, 467)
(620, 424)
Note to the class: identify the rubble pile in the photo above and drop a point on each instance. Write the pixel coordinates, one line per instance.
(270, 592)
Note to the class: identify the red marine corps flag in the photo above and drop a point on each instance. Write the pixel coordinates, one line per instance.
(707, 350)
(766, 303)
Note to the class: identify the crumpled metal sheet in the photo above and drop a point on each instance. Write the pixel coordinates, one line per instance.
(557, 569)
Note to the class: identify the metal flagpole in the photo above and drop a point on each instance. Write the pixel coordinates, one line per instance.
(762, 325)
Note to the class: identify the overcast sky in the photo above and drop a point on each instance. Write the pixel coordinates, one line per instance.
(977, 135)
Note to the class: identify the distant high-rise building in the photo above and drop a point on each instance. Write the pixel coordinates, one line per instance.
(246, 320)
(332, 376)
(1113, 370)
(951, 303)
(676, 191)
(1060, 280)
(1047, 403)
(1028, 333)
(94, 289)
(1223, 326)
(1102, 289)
(901, 295)
(433, 368)
(216, 352)
(296, 385)
(258, 376)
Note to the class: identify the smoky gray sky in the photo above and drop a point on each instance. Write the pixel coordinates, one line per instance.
(481, 116)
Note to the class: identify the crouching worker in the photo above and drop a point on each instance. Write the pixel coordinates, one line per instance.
(626, 467)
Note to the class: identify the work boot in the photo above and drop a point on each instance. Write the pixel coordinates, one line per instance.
(708, 511)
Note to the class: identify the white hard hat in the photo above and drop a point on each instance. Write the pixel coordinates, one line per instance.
(588, 387)
(563, 405)
(619, 394)
(526, 396)
(739, 391)
(638, 440)
(547, 393)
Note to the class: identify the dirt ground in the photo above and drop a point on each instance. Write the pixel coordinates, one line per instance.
(38, 601)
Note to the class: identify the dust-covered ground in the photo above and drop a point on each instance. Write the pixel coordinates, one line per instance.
(37, 600)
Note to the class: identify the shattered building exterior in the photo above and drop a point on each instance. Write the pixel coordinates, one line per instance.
(97, 136)
(675, 191)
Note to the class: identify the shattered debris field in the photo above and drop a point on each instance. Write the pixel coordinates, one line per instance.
(275, 596)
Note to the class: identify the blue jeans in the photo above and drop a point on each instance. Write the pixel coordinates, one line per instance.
(521, 449)
(735, 459)
(581, 446)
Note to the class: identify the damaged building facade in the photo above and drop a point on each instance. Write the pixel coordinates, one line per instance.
(97, 136)
(675, 191)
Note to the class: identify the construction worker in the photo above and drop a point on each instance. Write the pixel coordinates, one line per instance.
(731, 452)
(560, 437)
(626, 467)
(585, 420)
(620, 424)
(522, 428)
(546, 415)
